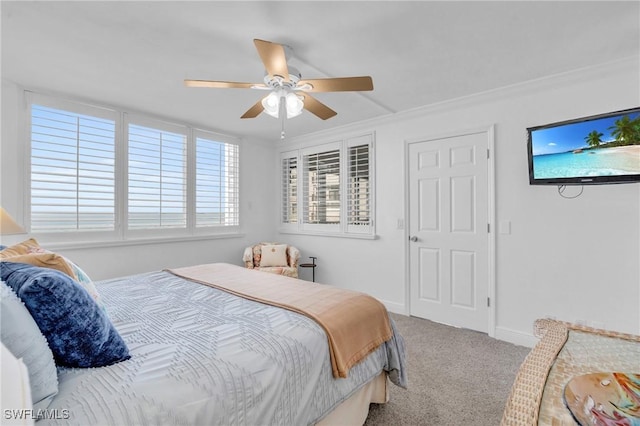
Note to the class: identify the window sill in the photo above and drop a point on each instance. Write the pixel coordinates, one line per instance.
(330, 234)
(135, 242)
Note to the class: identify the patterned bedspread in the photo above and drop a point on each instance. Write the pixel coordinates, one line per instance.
(203, 356)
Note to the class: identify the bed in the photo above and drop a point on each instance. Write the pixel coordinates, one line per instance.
(577, 375)
(198, 354)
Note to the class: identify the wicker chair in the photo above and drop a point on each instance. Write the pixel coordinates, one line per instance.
(252, 258)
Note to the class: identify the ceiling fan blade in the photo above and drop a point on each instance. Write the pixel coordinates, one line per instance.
(222, 84)
(273, 58)
(342, 84)
(316, 107)
(253, 112)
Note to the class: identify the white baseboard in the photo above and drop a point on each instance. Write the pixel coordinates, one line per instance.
(516, 337)
(396, 308)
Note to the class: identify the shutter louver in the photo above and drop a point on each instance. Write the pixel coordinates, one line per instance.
(217, 183)
(358, 189)
(157, 179)
(72, 171)
(321, 188)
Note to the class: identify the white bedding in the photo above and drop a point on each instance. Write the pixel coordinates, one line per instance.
(200, 356)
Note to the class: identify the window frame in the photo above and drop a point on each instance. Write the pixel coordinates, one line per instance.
(121, 235)
(342, 229)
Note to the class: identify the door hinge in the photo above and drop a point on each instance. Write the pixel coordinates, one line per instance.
(488, 228)
(488, 155)
(488, 302)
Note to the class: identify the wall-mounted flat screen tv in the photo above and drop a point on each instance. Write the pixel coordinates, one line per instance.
(599, 149)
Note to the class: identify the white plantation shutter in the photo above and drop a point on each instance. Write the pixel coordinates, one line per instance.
(358, 187)
(72, 170)
(334, 183)
(157, 179)
(217, 183)
(321, 187)
(101, 174)
(290, 189)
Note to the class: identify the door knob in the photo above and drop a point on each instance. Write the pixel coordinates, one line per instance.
(413, 239)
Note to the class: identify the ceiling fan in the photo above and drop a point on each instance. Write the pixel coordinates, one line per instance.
(289, 93)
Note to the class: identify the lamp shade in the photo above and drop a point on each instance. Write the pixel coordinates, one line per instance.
(8, 226)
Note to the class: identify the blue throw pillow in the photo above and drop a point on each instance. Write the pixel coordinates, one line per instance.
(78, 331)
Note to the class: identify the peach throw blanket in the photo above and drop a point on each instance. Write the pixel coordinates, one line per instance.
(355, 323)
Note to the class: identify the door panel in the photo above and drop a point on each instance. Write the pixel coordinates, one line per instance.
(448, 202)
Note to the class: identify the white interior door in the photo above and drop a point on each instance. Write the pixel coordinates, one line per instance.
(448, 230)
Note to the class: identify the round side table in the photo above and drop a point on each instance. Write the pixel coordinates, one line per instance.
(311, 265)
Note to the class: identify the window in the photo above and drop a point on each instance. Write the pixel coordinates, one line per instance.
(157, 181)
(289, 189)
(358, 195)
(335, 186)
(72, 170)
(217, 191)
(321, 187)
(104, 174)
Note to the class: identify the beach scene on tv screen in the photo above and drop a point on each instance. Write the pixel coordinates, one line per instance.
(607, 146)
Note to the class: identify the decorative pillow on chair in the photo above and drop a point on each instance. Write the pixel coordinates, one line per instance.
(274, 255)
(78, 331)
(22, 337)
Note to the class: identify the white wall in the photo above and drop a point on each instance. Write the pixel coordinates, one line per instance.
(571, 259)
(257, 210)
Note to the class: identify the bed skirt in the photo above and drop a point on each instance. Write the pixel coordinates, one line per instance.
(355, 409)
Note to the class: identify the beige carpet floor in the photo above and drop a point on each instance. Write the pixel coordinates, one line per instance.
(456, 377)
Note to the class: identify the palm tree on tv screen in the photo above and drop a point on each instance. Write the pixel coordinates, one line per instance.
(594, 139)
(626, 131)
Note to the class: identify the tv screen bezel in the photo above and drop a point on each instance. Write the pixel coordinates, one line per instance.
(578, 180)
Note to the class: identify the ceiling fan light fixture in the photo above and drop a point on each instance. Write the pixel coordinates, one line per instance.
(294, 105)
(271, 104)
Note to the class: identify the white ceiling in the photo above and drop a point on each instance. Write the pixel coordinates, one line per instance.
(135, 55)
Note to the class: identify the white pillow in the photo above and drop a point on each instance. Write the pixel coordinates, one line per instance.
(22, 337)
(274, 255)
(16, 393)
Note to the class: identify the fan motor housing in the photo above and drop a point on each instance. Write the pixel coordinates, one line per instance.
(278, 81)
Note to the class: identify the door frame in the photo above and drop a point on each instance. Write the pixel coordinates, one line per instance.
(491, 249)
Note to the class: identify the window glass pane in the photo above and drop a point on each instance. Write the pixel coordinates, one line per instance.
(157, 178)
(217, 189)
(322, 187)
(72, 171)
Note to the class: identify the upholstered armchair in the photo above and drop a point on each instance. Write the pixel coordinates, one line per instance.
(277, 258)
